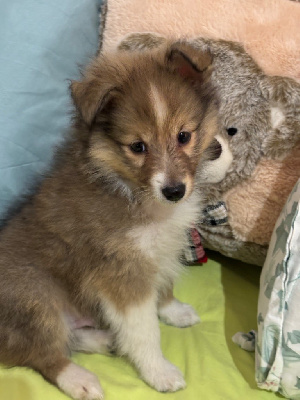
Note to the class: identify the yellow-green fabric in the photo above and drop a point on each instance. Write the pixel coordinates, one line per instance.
(225, 293)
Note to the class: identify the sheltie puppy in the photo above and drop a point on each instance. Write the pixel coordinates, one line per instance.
(89, 262)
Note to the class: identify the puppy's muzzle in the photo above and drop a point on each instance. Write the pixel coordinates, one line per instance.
(174, 193)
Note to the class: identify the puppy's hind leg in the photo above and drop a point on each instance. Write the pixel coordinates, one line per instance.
(34, 333)
(79, 383)
(52, 362)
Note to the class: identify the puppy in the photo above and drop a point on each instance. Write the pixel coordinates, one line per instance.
(99, 245)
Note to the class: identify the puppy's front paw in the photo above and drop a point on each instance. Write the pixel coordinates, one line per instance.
(164, 377)
(178, 314)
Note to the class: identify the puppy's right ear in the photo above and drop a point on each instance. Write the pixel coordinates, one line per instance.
(90, 96)
(189, 62)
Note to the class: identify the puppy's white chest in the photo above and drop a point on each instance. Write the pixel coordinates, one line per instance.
(154, 240)
(163, 240)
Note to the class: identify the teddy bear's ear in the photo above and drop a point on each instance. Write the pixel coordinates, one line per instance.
(191, 63)
(90, 96)
(141, 41)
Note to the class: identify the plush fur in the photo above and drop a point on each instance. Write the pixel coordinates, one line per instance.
(260, 120)
(99, 245)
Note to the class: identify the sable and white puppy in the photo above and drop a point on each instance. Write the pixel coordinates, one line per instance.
(99, 244)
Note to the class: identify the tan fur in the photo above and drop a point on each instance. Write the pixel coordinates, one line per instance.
(97, 243)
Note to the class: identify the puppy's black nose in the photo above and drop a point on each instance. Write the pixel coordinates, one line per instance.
(174, 193)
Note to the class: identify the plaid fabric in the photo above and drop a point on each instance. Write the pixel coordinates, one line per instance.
(195, 253)
(215, 214)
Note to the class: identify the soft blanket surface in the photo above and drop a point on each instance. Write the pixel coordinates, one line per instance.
(225, 296)
(269, 29)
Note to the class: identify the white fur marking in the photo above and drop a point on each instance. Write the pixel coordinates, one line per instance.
(158, 182)
(178, 314)
(159, 105)
(277, 117)
(215, 171)
(138, 335)
(79, 383)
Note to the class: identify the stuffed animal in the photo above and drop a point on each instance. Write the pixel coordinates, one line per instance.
(257, 161)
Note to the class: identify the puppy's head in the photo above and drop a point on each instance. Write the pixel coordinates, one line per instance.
(147, 118)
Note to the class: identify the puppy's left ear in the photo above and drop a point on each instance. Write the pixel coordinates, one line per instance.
(90, 96)
(189, 62)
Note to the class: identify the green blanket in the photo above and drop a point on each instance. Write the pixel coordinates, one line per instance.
(225, 293)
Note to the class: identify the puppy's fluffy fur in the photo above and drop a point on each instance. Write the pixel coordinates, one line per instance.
(99, 244)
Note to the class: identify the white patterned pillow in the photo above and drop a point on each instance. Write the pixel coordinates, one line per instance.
(278, 338)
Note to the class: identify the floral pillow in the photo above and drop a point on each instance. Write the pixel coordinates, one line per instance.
(278, 337)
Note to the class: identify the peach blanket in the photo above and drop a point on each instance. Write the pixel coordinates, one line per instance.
(268, 29)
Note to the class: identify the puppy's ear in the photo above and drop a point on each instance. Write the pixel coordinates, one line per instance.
(90, 96)
(191, 63)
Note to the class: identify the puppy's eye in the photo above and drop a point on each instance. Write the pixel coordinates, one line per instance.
(231, 131)
(184, 137)
(138, 147)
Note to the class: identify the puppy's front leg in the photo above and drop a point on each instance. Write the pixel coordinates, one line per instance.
(138, 336)
(172, 312)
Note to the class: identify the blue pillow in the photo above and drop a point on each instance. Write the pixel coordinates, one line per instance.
(42, 45)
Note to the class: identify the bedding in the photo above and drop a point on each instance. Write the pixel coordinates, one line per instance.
(278, 338)
(277, 341)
